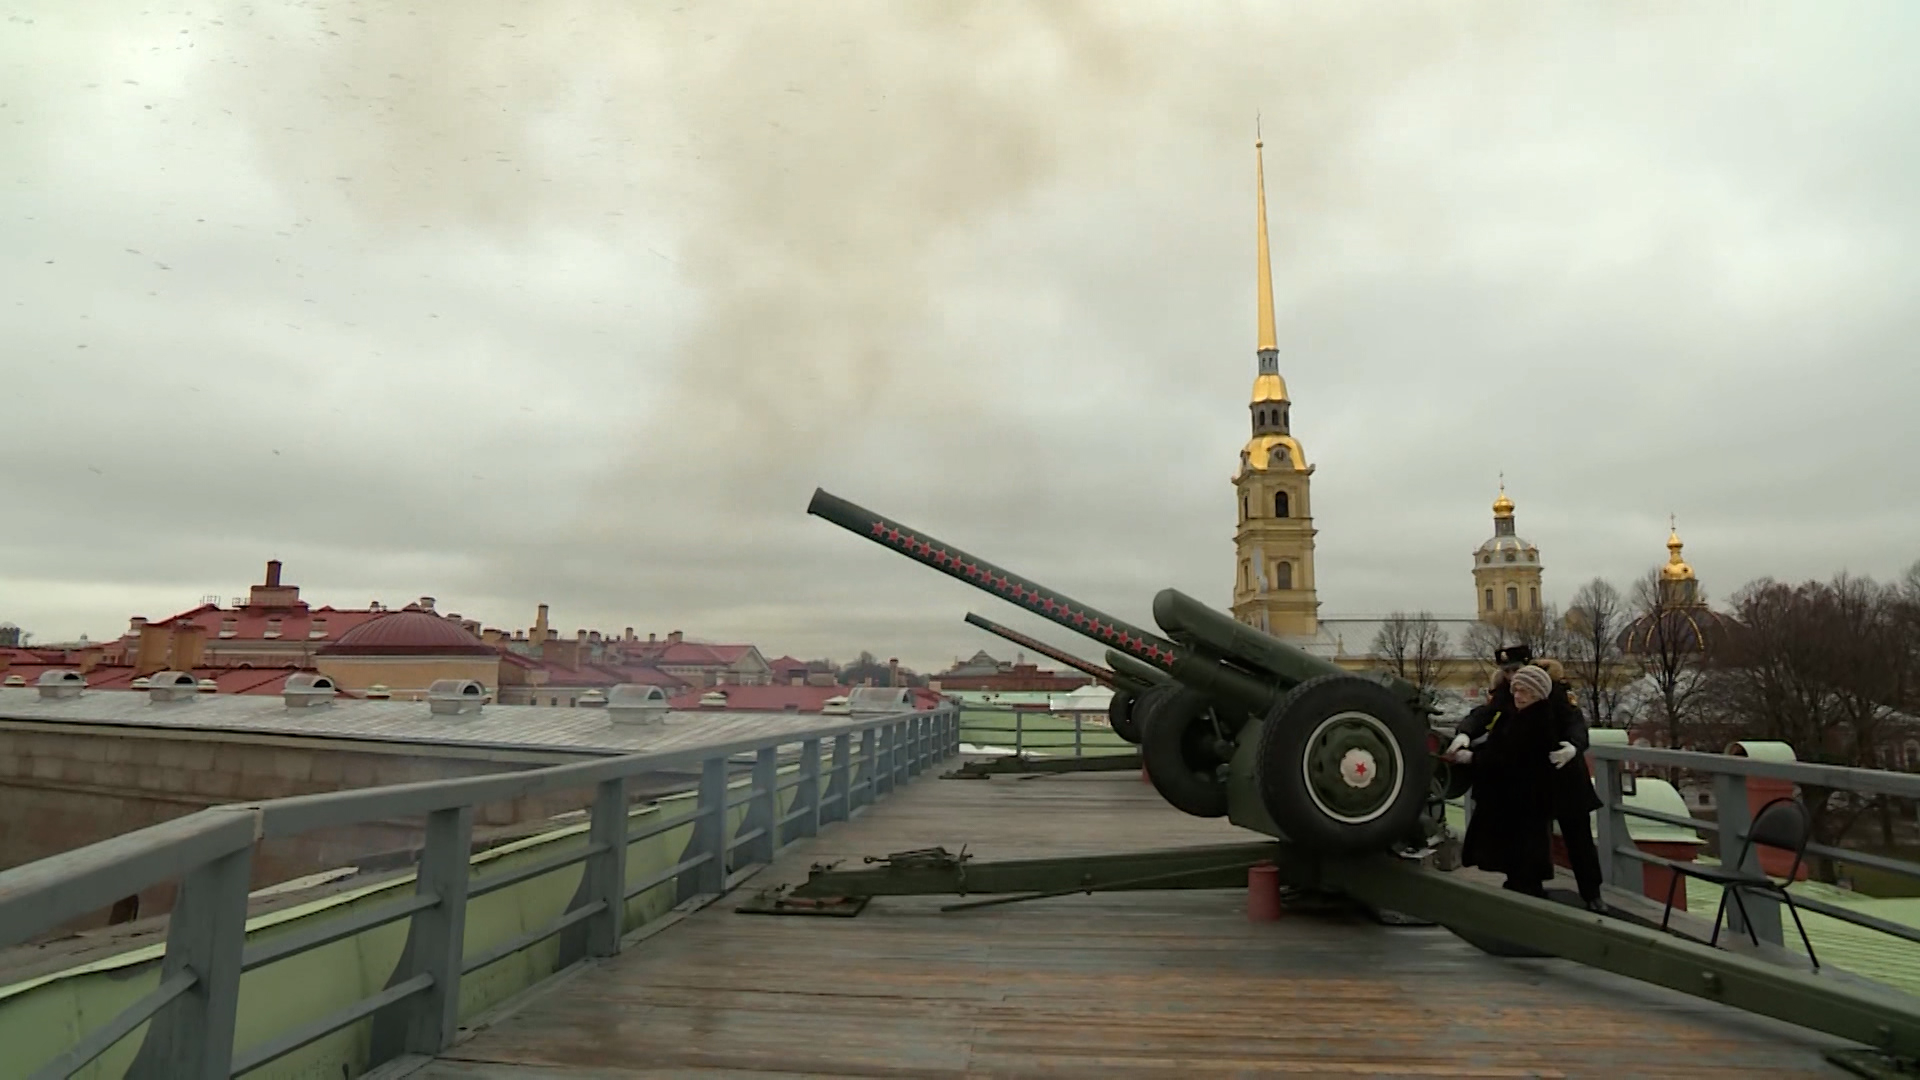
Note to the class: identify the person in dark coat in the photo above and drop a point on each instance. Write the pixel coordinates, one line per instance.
(1510, 743)
(1574, 799)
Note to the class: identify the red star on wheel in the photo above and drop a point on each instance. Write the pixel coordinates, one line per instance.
(1360, 769)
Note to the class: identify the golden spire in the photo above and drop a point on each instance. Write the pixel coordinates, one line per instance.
(1268, 339)
(1676, 568)
(1503, 506)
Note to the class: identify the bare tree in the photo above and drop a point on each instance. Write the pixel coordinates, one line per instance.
(1413, 646)
(1595, 623)
(1667, 648)
(1773, 676)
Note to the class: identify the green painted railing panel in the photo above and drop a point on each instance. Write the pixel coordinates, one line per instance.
(42, 1017)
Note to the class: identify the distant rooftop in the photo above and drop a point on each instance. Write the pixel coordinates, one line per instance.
(517, 727)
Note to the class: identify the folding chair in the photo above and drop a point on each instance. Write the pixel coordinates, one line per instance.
(1783, 823)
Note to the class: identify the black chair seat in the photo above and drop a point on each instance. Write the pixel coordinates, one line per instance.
(1720, 875)
(1783, 823)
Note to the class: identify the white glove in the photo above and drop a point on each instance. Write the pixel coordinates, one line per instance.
(1458, 744)
(1561, 754)
(1463, 757)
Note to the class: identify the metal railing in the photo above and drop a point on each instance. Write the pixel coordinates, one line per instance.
(1039, 731)
(191, 1014)
(1621, 861)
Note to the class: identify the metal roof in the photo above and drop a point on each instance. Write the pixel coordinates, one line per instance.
(495, 727)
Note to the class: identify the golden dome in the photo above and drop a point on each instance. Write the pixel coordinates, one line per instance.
(1282, 448)
(1503, 506)
(1269, 388)
(1676, 568)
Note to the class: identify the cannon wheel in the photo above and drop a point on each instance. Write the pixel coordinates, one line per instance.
(1342, 765)
(1177, 747)
(1123, 716)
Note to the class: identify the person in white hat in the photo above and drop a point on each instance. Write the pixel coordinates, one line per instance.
(1511, 828)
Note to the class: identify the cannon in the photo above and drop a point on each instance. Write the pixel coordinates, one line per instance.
(1231, 721)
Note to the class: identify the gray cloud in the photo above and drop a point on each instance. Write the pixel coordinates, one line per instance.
(577, 302)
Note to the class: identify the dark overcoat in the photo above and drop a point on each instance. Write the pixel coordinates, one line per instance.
(1513, 788)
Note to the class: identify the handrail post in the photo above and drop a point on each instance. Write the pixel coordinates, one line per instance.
(1616, 870)
(1019, 730)
(883, 762)
(763, 807)
(607, 870)
(1078, 719)
(953, 725)
(1735, 818)
(808, 794)
(437, 941)
(840, 781)
(916, 744)
(870, 762)
(900, 760)
(710, 831)
(192, 1037)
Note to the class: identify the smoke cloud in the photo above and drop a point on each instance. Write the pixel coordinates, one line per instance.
(808, 169)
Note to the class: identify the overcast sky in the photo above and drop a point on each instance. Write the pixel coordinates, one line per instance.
(577, 302)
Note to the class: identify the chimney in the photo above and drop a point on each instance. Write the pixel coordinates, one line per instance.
(893, 671)
(629, 633)
(426, 603)
(673, 638)
(135, 624)
(273, 573)
(189, 644)
(652, 639)
(580, 636)
(155, 643)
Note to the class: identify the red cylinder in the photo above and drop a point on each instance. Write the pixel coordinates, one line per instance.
(1263, 893)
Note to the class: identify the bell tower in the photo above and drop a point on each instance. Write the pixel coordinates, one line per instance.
(1273, 585)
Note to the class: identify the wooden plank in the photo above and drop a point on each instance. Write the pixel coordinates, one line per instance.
(1114, 985)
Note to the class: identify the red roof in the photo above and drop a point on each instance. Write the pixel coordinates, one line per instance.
(686, 653)
(408, 633)
(251, 623)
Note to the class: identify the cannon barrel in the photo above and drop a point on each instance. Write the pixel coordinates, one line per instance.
(1099, 674)
(1202, 672)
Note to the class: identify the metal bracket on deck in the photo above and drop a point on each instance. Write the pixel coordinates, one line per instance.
(1021, 765)
(776, 901)
(1873, 1065)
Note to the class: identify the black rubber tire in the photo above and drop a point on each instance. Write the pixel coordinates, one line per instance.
(1177, 747)
(1280, 774)
(1122, 717)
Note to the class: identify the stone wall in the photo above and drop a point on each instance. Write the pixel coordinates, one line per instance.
(64, 786)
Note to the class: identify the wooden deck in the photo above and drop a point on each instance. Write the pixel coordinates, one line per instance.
(1175, 984)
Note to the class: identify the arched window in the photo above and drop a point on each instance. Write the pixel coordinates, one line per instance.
(1280, 505)
(1246, 575)
(1533, 598)
(1283, 575)
(1513, 598)
(1489, 599)
(1246, 507)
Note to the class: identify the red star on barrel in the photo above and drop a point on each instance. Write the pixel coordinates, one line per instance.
(879, 528)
